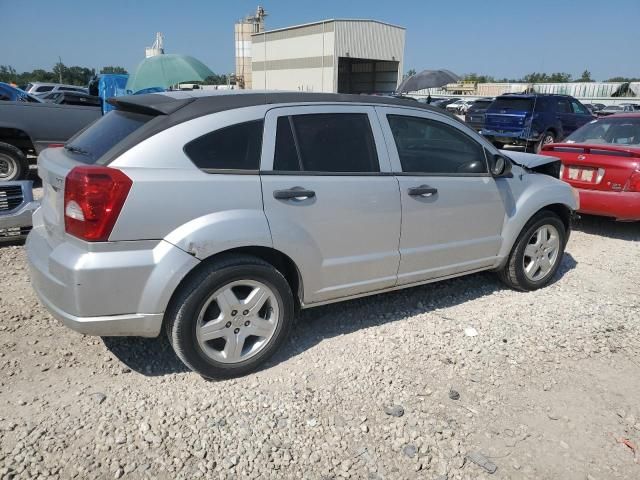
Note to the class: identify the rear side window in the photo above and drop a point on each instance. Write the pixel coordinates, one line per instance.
(236, 147)
(92, 143)
(326, 143)
(431, 147)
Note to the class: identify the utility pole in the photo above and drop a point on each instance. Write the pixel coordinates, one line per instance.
(60, 68)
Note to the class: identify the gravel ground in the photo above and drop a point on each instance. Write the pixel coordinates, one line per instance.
(384, 387)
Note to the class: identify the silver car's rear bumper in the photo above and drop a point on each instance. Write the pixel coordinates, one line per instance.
(94, 292)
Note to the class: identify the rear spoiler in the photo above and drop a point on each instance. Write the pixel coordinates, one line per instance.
(599, 149)
(149, 103)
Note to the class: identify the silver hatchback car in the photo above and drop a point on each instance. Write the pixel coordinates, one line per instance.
(215, 217)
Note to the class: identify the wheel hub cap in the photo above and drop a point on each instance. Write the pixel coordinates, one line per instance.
(541, 253)
(237, 321)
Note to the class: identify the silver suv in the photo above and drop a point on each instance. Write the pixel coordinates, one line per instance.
(216, 217)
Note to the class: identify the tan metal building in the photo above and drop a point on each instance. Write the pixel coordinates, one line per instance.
(343, 56)
(243, 30)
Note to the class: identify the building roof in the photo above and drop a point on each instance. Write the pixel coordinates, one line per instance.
(329, 20)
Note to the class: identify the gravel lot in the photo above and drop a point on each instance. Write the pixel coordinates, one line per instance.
(382, 387)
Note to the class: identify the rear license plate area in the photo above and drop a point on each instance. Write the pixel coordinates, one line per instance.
(582, 174)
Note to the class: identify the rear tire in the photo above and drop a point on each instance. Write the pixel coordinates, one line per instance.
(218, 332)
(526, 268)
(548, 137)
(13, 163)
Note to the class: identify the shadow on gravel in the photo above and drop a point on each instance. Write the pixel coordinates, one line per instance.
(608, 227)
(149, 356)
(316, 324)
(154, 356)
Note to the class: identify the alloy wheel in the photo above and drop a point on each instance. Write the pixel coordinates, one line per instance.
(541, 253)
(237, 321)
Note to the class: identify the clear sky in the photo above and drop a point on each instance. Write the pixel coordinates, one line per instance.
(495, 37)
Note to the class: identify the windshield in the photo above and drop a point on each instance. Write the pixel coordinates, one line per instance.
(612, 107)
(512, 103)
(92, 143)
(617, 131)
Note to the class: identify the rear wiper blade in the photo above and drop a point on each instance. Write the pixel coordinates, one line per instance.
(74, 149)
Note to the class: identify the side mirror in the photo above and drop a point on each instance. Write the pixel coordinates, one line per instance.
(500, 166)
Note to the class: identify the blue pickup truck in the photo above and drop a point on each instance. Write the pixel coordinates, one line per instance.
(533, 120)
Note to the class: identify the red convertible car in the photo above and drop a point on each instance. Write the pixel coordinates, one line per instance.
(602, 161)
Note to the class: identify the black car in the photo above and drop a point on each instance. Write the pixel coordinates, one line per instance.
(474, 117)
(71, 98)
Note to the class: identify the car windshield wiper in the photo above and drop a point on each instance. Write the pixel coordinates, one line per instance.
(78, 150)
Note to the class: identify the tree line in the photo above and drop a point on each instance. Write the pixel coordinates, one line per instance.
(536, 77)
(539, 77)
(76, 75)
(60, 73)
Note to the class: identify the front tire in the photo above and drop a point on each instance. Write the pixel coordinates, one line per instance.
(230, 317)
(537, 253)
(13, 163)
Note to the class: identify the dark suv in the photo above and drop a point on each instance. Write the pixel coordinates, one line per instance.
(533, 120)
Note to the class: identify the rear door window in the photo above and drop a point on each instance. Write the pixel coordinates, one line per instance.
(92, 143)
(326, 143)
(563, 106)
(236, 147)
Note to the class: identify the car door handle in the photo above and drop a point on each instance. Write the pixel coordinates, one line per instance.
(422, 191)
(297, 193)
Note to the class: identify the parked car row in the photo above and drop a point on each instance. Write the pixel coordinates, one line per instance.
(620, 108)
(533, 120)
(601, 161)
(38, 88)
(600, 156)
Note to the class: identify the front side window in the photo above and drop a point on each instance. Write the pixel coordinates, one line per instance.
(431, 147)
(578, 108)
(329, 143)
(237, 147)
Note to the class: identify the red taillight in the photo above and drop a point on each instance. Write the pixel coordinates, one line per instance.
(93, 198)
(633, 185)
(55, 145)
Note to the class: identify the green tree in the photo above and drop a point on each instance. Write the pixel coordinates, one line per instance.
(586, 77)
(411, 72)
(215, 79)
(8, 74)
(473, 77)
(560, 77)
(114, 69)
